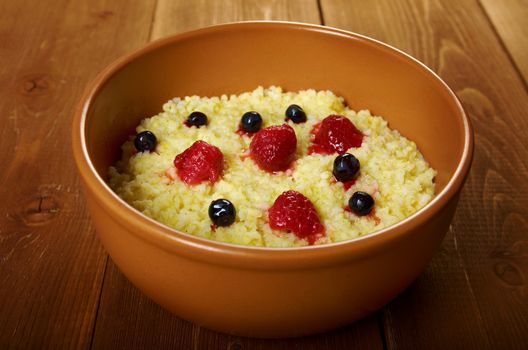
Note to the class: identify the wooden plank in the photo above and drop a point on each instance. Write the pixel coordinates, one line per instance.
(127, 318)
(509, 17)
(51, 264)
(177, 16)
(473, 294)
(364, 334)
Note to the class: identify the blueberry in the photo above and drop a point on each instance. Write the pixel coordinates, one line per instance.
(196, 119)
(346, 167)
(222, 212)
(251, 122)
(296, 114)
(145, 141)
(361, 203)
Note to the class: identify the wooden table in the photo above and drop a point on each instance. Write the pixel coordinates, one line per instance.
(58, 289)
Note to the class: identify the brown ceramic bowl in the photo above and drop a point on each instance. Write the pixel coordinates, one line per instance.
(268, 292)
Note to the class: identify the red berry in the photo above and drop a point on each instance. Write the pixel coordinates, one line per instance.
(198, 163)
(335, 134)
(292, 211)
(273, 148)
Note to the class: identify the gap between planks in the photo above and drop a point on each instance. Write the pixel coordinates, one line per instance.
(154, 12)
(99, 297)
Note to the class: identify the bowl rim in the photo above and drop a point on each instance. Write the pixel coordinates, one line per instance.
(222, 253)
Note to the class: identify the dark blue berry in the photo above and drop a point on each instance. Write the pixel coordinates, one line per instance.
(296, 114)
(361, 203)
(196, 119)
(222, 212)
(145, 141)
(346, 167)
(251, 122)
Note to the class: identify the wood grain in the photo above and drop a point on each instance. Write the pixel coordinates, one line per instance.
(510, 18)
(51, 264)
(474, 294)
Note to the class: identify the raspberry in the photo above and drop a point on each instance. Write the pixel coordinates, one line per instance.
(292, 211)
(273, 148)
(335, 134)
(198, 163)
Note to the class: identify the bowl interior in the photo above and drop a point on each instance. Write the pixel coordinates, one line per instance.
(235, 58)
